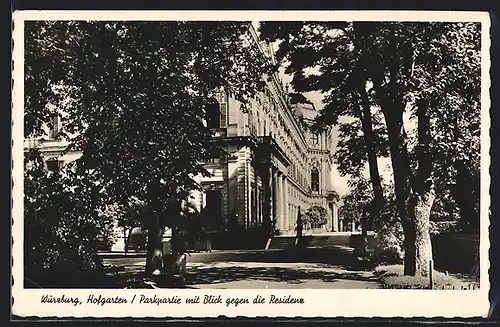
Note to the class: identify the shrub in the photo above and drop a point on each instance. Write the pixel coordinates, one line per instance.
(388, 245)
(388, 248)
(315, 216)
(63, 227)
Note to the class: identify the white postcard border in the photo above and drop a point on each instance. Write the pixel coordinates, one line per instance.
(318, 303)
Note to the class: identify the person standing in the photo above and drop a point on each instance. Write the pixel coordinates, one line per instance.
(299, 226)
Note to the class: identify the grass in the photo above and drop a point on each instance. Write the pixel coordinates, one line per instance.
(392, 276)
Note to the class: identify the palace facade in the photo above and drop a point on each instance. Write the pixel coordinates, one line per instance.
(269, 164)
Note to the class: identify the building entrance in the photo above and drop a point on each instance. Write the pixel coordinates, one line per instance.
(213, 209)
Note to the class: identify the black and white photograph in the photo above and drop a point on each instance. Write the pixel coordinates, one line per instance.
(250, 153)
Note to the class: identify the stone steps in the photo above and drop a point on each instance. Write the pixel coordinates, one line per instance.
(282, 243)
(325, 241)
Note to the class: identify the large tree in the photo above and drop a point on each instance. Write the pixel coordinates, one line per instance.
(339, 59)
(432, 62)
(133, 96)
(403, 68)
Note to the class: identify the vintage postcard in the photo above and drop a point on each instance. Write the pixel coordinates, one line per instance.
(250, 163)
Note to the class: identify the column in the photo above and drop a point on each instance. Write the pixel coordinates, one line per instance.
(286, 222)
(266, 198)
(335, 221)
(274, 196)
(260, 206)
(279, 202)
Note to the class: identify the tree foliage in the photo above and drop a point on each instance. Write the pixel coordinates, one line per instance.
(388, 247)
(351, 149)
(131, 214)
(427, 70)
(315, 216)
(356, 203)
(133, 96)
(64, 225)
(138, 91)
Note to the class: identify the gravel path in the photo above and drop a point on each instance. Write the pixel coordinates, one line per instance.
(208, 271)
(257, 275)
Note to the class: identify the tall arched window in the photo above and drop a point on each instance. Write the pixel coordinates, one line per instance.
(315, 138)
(315, 180)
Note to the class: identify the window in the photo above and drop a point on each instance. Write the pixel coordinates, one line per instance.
(223, 114)
(251, 123)
(315, 180)
(216, 112)
(213, 160)
(315, 138)
(54, 126)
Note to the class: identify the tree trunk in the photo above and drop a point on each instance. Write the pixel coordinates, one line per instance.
(418, 247)
(414, 194)
(421, 199)
(154, 255)
(360, 78)
(402, 176)
(366, 121)
(369, 136)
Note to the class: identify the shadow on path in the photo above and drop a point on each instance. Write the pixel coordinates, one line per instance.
(330, 256)
(330, 265)
(213, 275)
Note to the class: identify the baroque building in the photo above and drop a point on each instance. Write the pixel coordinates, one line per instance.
(269, 164)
